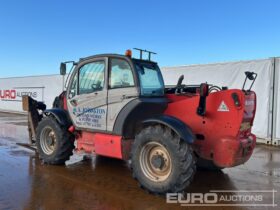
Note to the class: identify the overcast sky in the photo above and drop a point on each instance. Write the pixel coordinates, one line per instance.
(36, 35)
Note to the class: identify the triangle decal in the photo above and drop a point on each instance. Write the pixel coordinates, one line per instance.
(223, 107)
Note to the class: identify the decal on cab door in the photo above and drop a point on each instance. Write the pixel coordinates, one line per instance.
(90, 117)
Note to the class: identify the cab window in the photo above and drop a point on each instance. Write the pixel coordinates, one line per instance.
(91, 77)
(120, 74)
(150, 77)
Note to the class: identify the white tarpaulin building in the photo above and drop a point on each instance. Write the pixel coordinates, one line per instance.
(42, 88)
(231, 74)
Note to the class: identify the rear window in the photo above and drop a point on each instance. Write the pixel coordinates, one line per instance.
(151, 81)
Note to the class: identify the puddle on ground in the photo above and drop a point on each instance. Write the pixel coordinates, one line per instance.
(95, 182)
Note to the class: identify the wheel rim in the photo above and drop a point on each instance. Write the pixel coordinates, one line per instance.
(155, 161)
(48, 140)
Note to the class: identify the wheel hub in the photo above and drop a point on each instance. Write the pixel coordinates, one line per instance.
(155, 161)
(48, 140)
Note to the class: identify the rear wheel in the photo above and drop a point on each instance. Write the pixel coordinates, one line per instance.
(161, 161)
(55, 144)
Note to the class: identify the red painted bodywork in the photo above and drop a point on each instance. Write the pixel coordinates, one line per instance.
(64, 101)
(101, 144)
(219, 132)
(220, 137)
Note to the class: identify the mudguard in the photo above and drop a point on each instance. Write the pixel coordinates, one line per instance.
(60, 115)
(180, 128)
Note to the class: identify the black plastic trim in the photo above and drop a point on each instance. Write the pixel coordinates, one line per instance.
(135, 112)
(179, 127)
(60, 115)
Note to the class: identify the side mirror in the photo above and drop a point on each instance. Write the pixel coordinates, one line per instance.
(250, 76)
(62, 68)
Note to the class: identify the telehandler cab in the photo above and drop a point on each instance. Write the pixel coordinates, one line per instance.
(117, 106)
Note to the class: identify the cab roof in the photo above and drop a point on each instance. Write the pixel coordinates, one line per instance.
(116, 55)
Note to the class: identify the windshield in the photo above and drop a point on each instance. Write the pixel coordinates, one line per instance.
(151, 80)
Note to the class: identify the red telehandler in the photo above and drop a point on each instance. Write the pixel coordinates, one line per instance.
(117, 106)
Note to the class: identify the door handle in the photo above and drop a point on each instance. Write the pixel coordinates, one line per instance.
(126, 97)
(123, 97)
(89, 96)
(74, 102)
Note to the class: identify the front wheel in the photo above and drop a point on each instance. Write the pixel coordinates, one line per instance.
(54, 143)
(161, 161)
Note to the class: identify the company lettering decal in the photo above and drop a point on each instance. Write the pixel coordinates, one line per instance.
(8, 94)
(16, 93)
(89, 117)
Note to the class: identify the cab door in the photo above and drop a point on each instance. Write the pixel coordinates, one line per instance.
(122, 88)
(87, 95)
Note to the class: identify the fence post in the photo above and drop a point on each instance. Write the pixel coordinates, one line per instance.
(275, 107)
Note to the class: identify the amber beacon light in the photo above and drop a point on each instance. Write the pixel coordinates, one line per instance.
(128, 53)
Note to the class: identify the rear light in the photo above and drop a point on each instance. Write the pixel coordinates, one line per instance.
(248, 115)
(250, 107)
(245, 126)
(71, 129)
(249, 103)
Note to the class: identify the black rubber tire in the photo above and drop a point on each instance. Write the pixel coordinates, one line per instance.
(181, 155)
(203, 164)
(64, 146)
